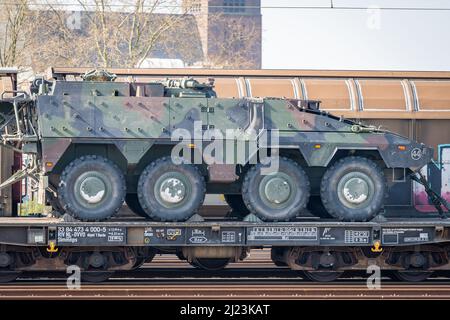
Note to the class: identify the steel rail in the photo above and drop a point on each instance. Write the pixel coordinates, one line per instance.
(221, 292)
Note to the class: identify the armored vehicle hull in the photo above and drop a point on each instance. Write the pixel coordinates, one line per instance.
(162, 146)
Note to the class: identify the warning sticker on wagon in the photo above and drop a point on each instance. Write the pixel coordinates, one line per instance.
(282, 234)
(407, 235)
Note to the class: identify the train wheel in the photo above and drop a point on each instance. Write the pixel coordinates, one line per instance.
(132, 201)
(237, 205)
(276, 254)
(412, 276)
(140, 260)
(210, 264)
(96, 276)
(353, 189)
(277, 196)
(322, 276)
(92, 188)
(9, 276)
(170, 192)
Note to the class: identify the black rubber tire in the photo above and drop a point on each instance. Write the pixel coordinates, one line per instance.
(108, 206)
(330, 182)
(132, 201)
(150, 204)
(257, 206)
(211, 264)
(237, 205)
(316, 208)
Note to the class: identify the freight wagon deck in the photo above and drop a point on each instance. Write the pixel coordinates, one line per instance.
(411, 249)
(25, 231)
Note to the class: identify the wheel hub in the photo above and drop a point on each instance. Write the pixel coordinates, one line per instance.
(92, 189)
(96, 260)
(5, 259)
(277, 190)
(355, 188)
(172, 190)
(417, 260)
(327, 260)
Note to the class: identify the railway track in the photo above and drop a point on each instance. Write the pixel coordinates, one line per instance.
(225, 291)
(257, 278)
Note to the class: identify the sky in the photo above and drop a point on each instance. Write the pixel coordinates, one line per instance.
(374, 39)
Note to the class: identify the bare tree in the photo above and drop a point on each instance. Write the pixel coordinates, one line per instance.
(237, 42)
(13, 15)
(122, 33)
(108, 33)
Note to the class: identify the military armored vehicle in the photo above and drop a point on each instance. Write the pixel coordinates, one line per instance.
(161, 146)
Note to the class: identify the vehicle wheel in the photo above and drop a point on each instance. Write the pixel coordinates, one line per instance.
(322, 276)
(96, 276)
(92, 188)
(316, 207)
(132, 201)
(278, 196)
(277, 253)
(353, 189)
(237, 205)
(411, 276)
(170, 192)
(210, 264)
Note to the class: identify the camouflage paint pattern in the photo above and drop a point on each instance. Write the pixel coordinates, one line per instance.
(134, 123)
(108, 112)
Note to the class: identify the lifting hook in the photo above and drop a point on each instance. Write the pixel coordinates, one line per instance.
(52, 247)
(376, 247)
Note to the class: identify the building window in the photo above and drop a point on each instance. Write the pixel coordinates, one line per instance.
(193, 6)
(196, 6)
(234, 6)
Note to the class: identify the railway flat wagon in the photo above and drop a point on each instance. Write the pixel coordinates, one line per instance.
(397, 226)
(409, 250)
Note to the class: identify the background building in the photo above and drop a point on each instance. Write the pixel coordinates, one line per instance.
(200, 33)
(230, 31)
